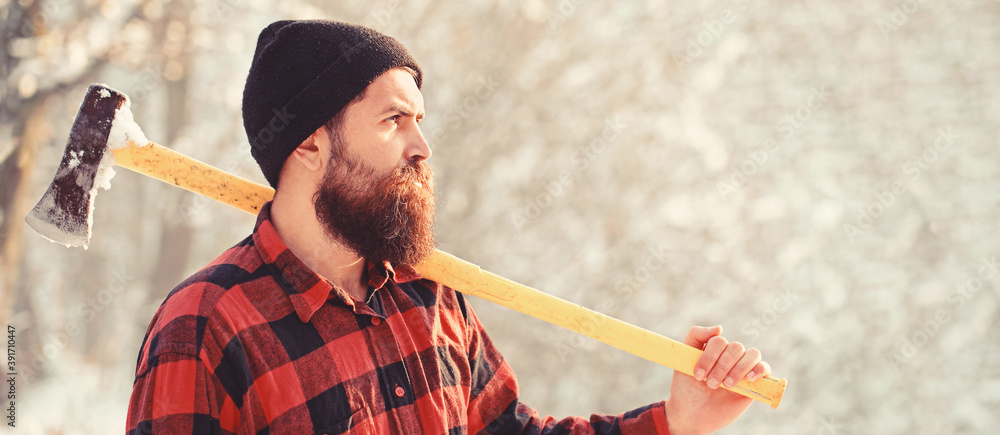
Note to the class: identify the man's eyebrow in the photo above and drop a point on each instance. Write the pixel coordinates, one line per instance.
(402, 110)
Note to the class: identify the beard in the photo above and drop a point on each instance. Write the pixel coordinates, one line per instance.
(388, 218)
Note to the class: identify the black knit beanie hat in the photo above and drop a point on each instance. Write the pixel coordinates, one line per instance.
(303, 73)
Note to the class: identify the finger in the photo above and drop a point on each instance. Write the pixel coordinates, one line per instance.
(699, 335)
(759, 371)
(732, 355)
(713, 350)
(742, 368)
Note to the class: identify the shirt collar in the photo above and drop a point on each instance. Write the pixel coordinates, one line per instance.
(307, 290)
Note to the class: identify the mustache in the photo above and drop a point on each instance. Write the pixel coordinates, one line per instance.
(413, 172)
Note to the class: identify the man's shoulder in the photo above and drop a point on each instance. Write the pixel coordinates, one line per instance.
(237, 265)
(190, 308)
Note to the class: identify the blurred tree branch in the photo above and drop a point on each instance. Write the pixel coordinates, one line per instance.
(24, 108)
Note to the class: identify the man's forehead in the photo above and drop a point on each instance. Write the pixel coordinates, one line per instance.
(395, 88)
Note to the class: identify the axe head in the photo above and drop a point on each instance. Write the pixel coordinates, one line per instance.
(65, 213)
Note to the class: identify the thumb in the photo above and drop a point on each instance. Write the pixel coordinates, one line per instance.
(697, 336)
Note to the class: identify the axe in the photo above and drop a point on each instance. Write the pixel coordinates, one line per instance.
(104, 134)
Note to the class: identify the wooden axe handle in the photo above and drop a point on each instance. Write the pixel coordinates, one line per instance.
(470, 279)
(180, 170)
(172, 167)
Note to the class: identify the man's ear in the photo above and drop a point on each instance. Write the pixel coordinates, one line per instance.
(308, 153)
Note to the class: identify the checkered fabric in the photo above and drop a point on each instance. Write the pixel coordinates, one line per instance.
(257, 343)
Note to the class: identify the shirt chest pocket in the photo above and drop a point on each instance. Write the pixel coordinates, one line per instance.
(357, 424)
(328, 410)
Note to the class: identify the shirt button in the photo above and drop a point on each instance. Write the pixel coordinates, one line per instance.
(400, 392)
(376, 321)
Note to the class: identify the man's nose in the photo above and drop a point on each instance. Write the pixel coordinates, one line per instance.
(417, 149)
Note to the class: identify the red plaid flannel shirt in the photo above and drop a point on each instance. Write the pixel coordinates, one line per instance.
(258, 343)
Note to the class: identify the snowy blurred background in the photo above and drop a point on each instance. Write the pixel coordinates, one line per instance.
(819, 178)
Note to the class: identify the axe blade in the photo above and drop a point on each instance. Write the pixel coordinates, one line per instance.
(65, 213)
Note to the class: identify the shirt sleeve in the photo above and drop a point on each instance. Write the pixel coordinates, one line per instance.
(176, 389)
(175, 392)
(494, 407)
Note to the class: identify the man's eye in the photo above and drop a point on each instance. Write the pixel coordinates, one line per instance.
(392, 118)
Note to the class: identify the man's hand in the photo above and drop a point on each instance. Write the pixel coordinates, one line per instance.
(698, 407)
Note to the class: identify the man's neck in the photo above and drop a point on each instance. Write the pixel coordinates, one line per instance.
(295, 221)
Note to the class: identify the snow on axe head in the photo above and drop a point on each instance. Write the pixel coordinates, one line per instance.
(65, 212)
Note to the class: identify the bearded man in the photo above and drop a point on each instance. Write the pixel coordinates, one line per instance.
(317, 323)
